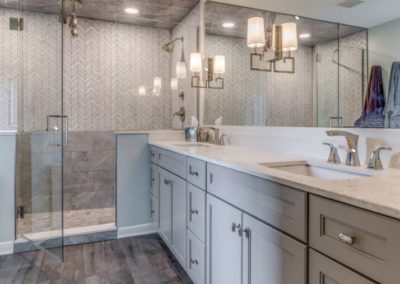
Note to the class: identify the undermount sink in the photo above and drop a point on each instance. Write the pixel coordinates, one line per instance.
(192, 144)
(320, 171)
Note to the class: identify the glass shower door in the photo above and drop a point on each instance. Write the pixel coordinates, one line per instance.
(42, 126)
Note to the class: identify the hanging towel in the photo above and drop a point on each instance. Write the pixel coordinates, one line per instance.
(393, 106)
(373, 113)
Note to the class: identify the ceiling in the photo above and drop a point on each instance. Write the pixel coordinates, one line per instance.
(216, 14)
(368, 14)
(155, 13)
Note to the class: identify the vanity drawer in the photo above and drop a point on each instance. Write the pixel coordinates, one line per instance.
(173, 162)
(373, 241)
(196, 259)
(196, 172)
(324, 270)
(278, 205)
(196, 211)
(154, 154)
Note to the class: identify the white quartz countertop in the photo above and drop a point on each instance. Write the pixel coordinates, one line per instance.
(379, 193)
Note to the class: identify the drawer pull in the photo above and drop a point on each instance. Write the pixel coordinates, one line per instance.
(194, 212)
(193, 173)
(346, 239)
(167, 182)
(153, 155)
(194, 261)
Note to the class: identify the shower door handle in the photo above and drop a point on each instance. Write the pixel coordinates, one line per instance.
(66, 129)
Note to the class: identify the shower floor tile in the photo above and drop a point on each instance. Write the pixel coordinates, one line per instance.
(51, 221)
(139, 260)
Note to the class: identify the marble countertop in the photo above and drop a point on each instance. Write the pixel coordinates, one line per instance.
(379, 193)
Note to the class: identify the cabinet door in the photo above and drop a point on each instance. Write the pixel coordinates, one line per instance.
(270, 256)
(165, 205)
(155, 197)
(224, 245)
(179, 219)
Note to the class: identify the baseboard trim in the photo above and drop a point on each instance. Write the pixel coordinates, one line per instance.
(138, 230)
(6, 248)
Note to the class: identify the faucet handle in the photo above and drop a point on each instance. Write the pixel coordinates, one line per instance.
(375, 162)
(334, 157)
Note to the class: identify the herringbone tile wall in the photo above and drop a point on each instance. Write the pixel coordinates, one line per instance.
(188, 29)
(103, 69)
(252, 97)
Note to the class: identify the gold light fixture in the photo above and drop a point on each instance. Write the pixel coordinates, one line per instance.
(278, 39)
(215, 65)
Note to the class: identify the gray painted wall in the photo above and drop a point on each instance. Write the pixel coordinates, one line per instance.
(384, 47)
(133, 180)
(7, 185)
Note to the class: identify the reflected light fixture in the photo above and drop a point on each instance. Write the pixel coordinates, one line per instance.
(157, 84)
(304, 36)
(214, 65)
(174, 84)
(228, 25)
(181, 70)
(255, 32)
(142, 90)
(131, 11)
(289, 37)
(279, 38)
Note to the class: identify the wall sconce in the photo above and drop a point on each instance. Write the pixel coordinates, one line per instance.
(174, 84)
(142, 91)
(214, 65)
(284, 39)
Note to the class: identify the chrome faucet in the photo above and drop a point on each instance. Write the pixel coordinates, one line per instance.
(375, 163)
(333, 155)
(352, 144)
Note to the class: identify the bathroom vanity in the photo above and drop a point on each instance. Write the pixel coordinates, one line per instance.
(230, 215)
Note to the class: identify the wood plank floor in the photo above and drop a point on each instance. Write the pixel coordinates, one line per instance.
(139, 260)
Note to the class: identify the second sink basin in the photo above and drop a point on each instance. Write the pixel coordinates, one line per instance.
(316, 170)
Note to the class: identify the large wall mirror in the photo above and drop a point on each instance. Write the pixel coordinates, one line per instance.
(284, 70)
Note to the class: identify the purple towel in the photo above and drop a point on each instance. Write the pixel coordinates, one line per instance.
(374, 107)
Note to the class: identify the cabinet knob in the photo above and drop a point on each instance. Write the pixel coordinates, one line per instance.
(234, 226)
(194, 212)
(346, 239)
(153, 155)
(194, 261)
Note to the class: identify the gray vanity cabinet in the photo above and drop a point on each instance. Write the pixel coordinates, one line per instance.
(323, 270)
(165, 230)
(173, 213)
(244, 250)
(224, 245)
(270, 256)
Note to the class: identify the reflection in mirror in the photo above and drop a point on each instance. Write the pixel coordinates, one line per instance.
(284, 70)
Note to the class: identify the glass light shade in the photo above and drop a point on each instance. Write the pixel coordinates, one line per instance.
(181, 70)
(157, 83)
(174, 84)
(255, 32)
(289, 37)
(142, 90)
(195, 62)
(219, 64)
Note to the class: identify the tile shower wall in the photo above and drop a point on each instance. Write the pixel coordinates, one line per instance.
(259, 98)
(103, 69)
(188, 29)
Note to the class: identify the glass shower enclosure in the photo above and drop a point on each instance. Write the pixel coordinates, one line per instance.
(31, 64)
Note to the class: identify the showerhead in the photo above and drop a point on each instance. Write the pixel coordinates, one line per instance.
(169, 47)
